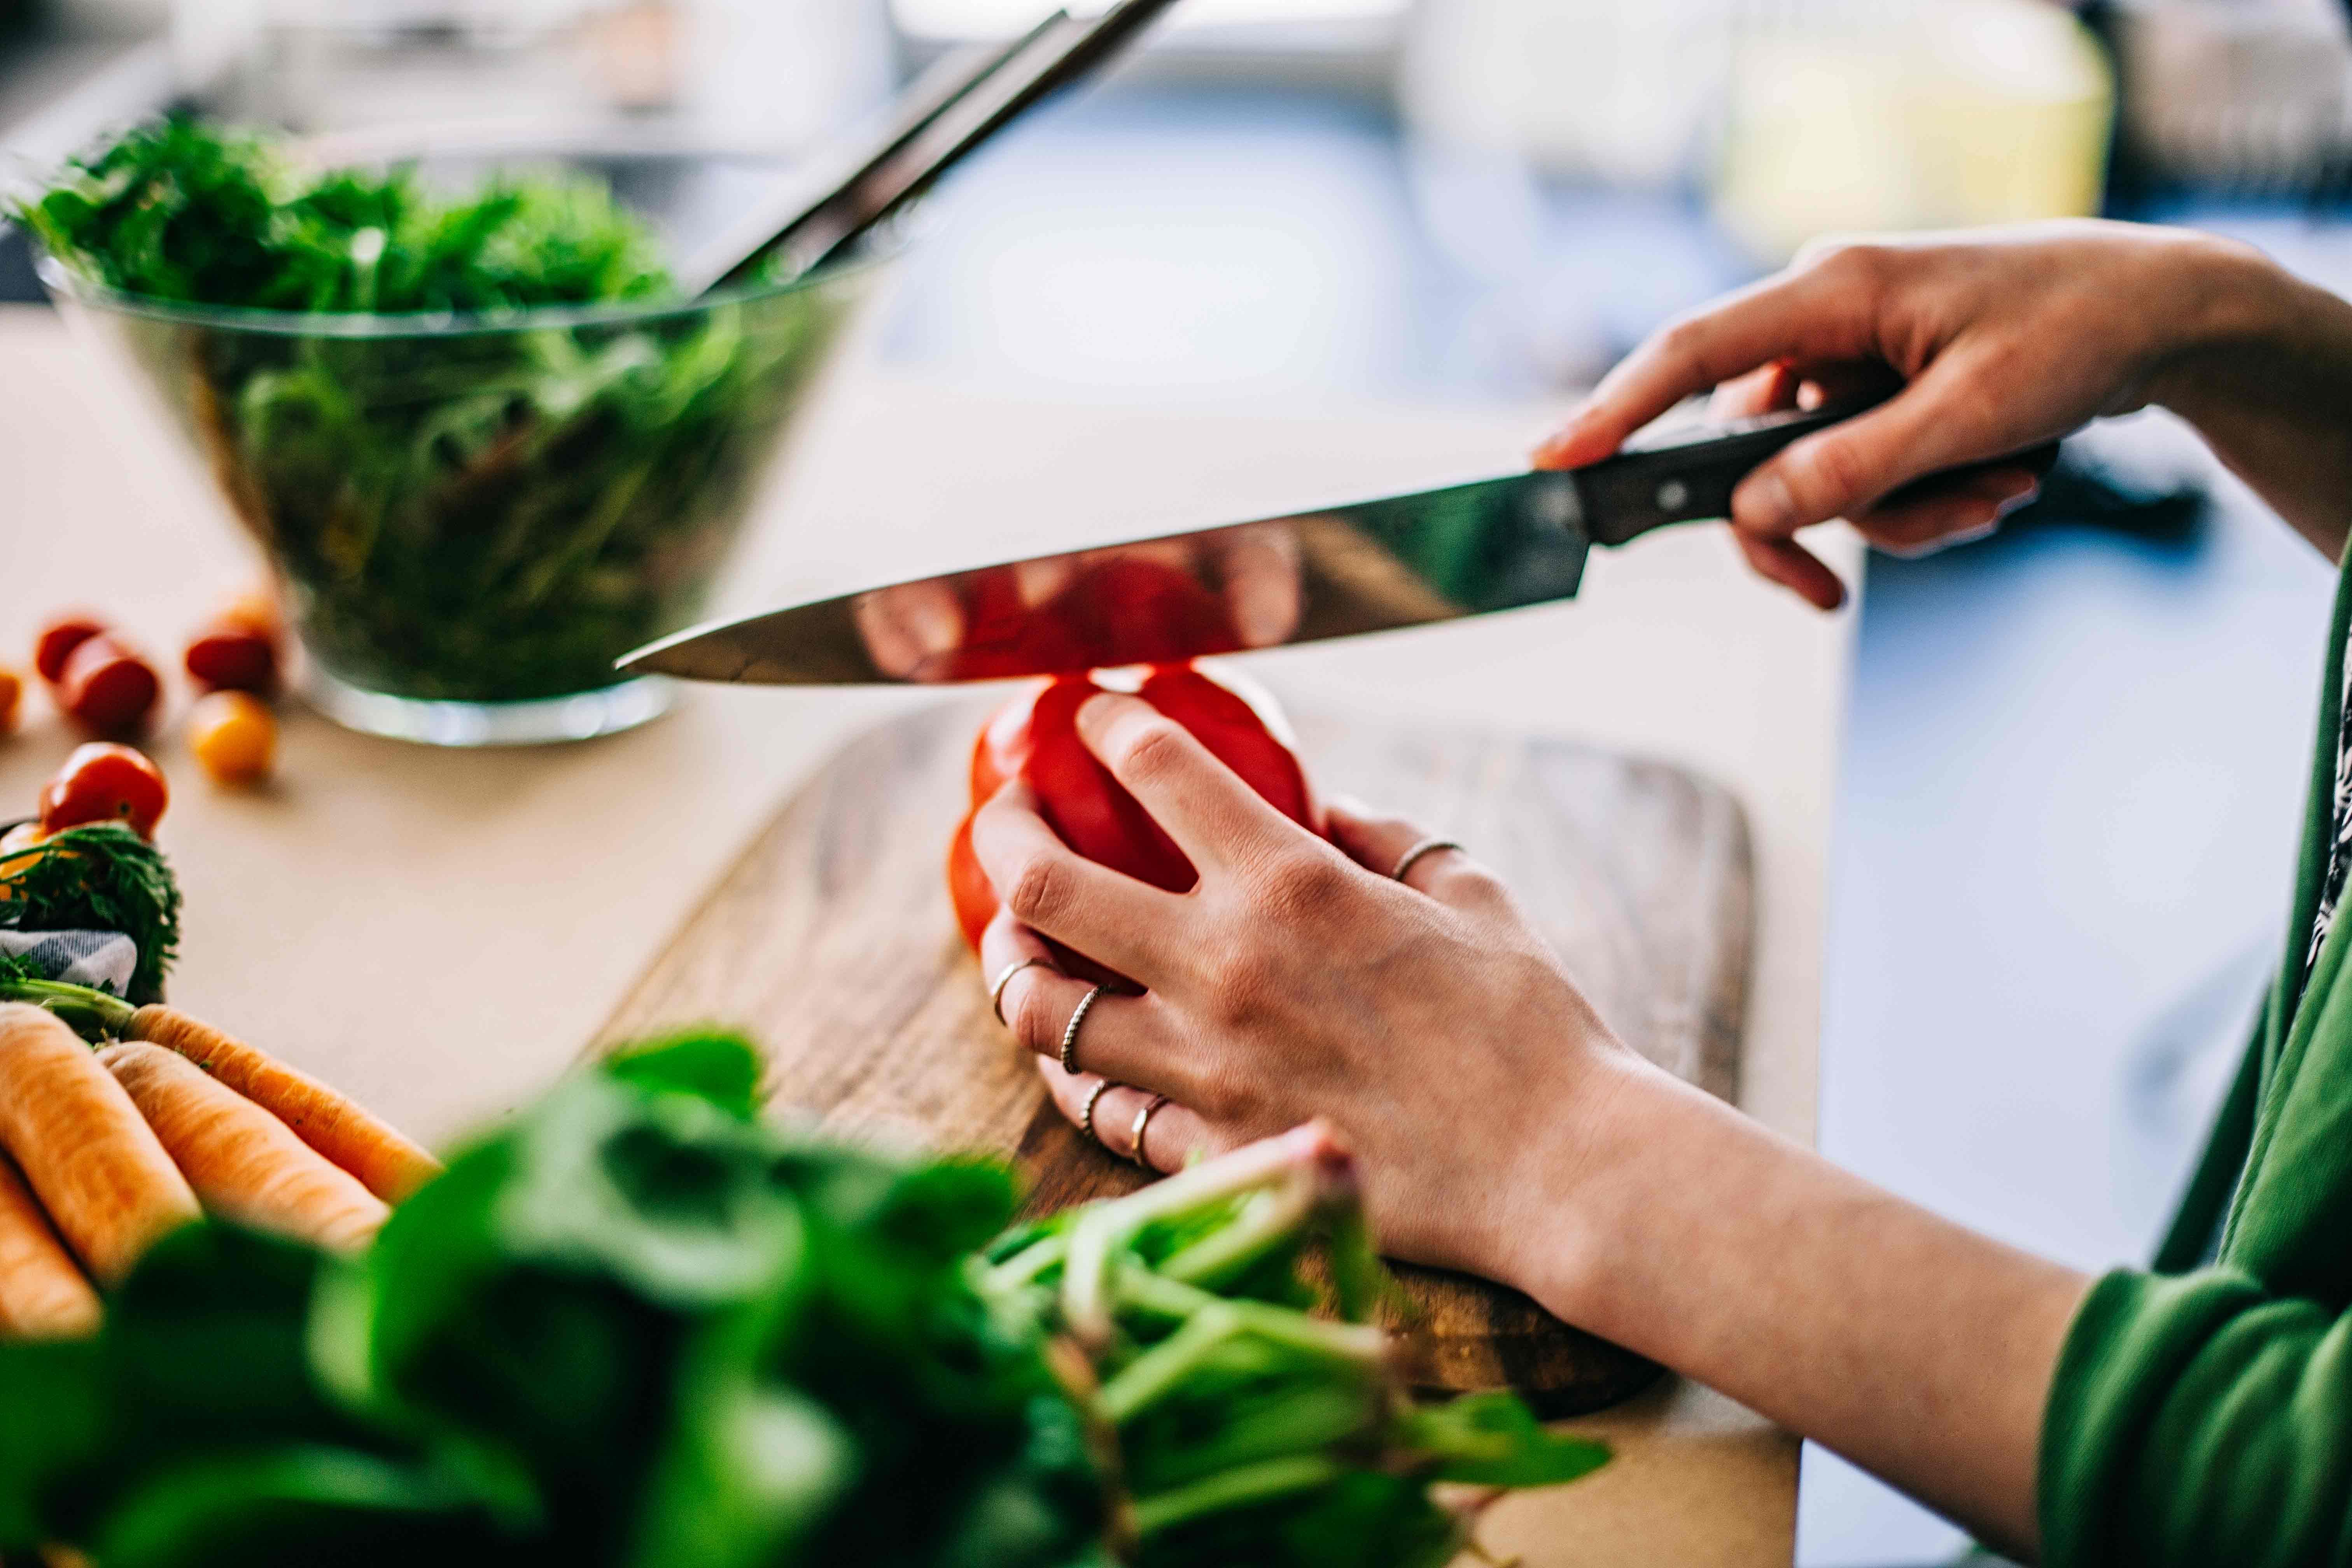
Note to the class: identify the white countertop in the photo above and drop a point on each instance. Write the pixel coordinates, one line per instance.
(440, 933)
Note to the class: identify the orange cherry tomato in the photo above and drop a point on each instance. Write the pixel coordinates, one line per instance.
(234, 736)
(107, 688)
(255, 610)
(102, 782)
(233, 656)
(13, 861)
(12, 692)
(58, 639)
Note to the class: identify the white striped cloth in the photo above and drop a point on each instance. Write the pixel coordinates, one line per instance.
(101, 959)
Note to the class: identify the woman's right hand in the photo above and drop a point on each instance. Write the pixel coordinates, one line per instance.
(2006, 338)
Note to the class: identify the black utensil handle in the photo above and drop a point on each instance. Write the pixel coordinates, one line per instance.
(1690, 480)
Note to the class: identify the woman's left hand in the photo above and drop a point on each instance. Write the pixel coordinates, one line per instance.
(1425, 1020)
(1502, 1128)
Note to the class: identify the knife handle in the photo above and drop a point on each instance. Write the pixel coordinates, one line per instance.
(1690, 480)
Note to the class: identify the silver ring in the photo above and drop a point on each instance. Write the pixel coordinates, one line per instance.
(1004, 978)
(1086, 1116)
(1142, 1122)
(1070, 1030)
(1426, 847)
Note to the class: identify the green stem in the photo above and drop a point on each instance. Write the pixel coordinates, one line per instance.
(1305, 1161)
(93, 1014)
(1023, 1267)
(1163, 1368)
(1358, 1344)
(1234, 1488)
(1267, 1220)
(1167, 1363)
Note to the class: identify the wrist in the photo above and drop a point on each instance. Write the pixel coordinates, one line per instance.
(1576, 1183)
(2234, 317)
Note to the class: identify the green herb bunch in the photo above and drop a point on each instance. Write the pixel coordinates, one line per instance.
(466, 503)
(1250, 1430)
(100, 877)
(639, 1327)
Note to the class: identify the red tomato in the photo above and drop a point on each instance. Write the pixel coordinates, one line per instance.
(102, 782)
(232, 657)
(107, 688)
(57, 641)
(1034, 738)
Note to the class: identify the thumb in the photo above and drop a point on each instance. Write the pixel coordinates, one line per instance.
(1928, 426)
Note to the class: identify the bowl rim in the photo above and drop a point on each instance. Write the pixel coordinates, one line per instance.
(877, 251)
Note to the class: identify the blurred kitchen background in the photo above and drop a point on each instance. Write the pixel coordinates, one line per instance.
(2075, 750)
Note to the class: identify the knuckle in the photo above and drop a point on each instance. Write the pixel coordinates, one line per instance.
(1295, 886)
(1240, 985)
(1470, 882)
(1041, 892)
(1152, 748)
(1029, 1003)
(1847, 261)
(1218, 1093)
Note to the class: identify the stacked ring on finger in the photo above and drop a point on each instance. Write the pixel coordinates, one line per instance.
(1086, 1115)
(1070, 1030)
(1004, 978)
(1426, 847)
(1142, 1124)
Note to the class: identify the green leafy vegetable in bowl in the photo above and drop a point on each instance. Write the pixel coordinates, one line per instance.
(637, 1326)
(486, 449)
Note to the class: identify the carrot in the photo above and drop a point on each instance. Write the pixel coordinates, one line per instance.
(84, 1150)
(244, 1164)
(386, 1164)
(43, 1294)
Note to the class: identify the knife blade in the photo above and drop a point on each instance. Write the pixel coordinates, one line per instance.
(1340, 571)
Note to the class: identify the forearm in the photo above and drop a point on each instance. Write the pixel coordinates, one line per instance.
(1916, 1348)
(2265, 375)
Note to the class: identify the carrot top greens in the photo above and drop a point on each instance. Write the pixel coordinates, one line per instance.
(100, 877)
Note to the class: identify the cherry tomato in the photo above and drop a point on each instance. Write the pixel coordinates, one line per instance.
(12, 691)
(57, 641)
(229, 656)
(102, 782)
(255, 610)
(107, 688)
(233, 737)
(1034, 738)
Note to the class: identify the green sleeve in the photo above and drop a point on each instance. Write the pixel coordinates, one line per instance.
(2198, 1419)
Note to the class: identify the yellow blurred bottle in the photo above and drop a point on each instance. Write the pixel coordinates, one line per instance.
(1937, 113)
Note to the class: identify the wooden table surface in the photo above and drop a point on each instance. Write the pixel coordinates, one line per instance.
(440, 933)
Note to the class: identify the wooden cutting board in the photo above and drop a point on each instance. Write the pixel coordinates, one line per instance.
(829, 940)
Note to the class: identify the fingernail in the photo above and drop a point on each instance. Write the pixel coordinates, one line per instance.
(1762, 504)
(1097, 713)
(2023, 497)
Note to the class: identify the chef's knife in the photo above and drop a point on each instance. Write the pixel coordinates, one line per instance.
(1400, 561)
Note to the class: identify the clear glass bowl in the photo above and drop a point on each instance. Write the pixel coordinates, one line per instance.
(471, 518)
